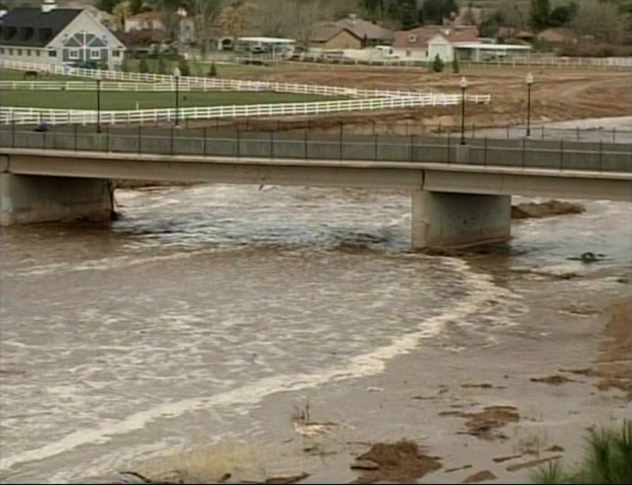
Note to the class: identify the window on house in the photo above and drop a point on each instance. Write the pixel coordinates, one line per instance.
(52, 53)
(73, 54)
(95, 53)
(38, 53)
(10, 52)
(412, 38)
(1, 50)
(19, 52)
(116, 53)
(28, 52)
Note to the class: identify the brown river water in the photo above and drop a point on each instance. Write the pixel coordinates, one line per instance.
(118, 342)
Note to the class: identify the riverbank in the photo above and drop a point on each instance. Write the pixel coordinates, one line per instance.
(495, 408)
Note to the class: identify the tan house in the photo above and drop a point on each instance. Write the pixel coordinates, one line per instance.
(558, 36)
(418, 39)
(350, 33)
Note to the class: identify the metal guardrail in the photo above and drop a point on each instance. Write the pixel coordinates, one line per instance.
(270, 145)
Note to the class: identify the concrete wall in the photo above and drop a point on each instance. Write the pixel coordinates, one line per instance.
(29, 199)
(441, 220)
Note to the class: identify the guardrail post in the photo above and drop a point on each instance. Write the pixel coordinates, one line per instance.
(306, 140)
(340, 139)
(448, 139)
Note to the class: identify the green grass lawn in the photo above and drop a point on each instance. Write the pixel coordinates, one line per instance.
(147, 100)
(6, 75)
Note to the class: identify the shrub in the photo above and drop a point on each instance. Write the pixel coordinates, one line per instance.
(437, 64)
(455, 64)
(608, 460)
(143, 67)
(212, 72)
(183, 65)
(162, 66)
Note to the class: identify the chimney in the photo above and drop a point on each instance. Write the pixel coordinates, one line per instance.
(48, 6)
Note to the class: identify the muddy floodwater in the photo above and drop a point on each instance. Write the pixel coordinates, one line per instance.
(168, 327)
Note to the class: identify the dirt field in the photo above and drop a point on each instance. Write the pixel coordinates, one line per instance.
(558, 94)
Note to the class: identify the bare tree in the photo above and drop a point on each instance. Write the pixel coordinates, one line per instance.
(602, 20)
(205, 14)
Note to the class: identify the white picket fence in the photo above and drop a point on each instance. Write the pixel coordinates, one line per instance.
(22, 116)
(168, 83)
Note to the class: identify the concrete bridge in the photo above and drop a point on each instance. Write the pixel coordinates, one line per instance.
(461, 194)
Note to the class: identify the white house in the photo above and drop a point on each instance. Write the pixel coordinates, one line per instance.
(53, 35)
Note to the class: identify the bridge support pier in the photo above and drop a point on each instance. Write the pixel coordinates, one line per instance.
(28, 199)
(444, 220)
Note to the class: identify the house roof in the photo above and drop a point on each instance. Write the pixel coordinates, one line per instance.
(30, 27)
(359, 28)
(328, 30)
(558, 34)
(419, 37)
(149, 15)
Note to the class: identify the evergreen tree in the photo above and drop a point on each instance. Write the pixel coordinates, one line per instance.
(143, 67)
(408, 14)
(213, 70)
(455, 64)
(540, 13)
(437, 64)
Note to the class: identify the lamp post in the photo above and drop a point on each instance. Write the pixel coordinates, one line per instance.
(176, 74)
(98, 106)
(463, 84)
(529, 84)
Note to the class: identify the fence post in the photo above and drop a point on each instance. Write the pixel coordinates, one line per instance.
(75, 129)
(485, 153)
(561, 153)
(411, 143)
(107, 139)
(173, 146)
(542, 133)
(614, 135)
(271, 143)
(205, 140)
(13, 129)
(140, 140)
(524, 146)
(577, 132)
(238, 148)
(507, 132)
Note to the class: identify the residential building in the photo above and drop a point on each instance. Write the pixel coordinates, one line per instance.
(183, 26)
(425, 43)
(53, 35)
(350, 33)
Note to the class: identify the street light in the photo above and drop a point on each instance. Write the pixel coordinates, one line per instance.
(463, 83)
(529, 84)
(98, 106)
(176, 74)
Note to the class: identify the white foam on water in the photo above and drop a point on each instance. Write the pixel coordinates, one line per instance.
(480, 287)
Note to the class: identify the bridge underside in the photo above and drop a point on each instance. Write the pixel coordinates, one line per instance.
(29, 199)
(452, 205)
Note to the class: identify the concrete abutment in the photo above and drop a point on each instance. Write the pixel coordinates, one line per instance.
(26, 199)
(444, 219)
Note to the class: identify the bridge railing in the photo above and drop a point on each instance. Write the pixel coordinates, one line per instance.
(523, 153)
